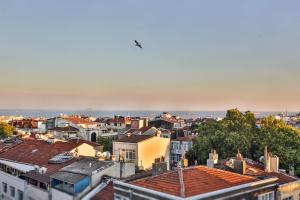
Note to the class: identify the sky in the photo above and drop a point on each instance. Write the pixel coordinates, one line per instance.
(197, 55)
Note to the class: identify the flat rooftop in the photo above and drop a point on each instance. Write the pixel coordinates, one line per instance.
(87, 165)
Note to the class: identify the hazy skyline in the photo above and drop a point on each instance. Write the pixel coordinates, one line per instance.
(197, 55)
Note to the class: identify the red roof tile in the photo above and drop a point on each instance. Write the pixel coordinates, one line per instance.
(65, 129)
(106, 194)
(38, 152)
(196, 180)
(77, 120)
(256, 169)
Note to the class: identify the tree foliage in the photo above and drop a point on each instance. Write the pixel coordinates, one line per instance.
(239, 131)
(106, 142)
(6, 130)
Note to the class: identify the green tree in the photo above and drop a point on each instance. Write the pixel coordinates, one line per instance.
(238, 131)
(6, 130)
(106, 143)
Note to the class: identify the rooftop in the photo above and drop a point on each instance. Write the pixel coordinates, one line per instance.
(106, 194)
(87, 165)
(185, 139)
(39, 152)
(195, 181)
(78, 120)
(134, 138)
(65, 129)
(68, 177)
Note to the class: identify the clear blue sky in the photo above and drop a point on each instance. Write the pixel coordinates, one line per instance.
(198, 55)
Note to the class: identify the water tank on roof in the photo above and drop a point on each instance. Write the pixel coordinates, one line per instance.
(106, 155)
(43, 170)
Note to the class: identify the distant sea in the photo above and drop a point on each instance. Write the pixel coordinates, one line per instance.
(97, 113)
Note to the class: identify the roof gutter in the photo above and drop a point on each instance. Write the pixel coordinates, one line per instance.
(94, 191)
(231, 189)
(165, 195)
(196, 197)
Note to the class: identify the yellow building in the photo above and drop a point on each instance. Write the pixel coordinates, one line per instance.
(142, 149)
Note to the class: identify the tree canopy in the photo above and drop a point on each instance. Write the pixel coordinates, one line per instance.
(239, 131)
(6, 130)
(106, 142)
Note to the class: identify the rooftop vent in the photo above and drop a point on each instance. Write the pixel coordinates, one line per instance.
(34, 150)
(61, 158)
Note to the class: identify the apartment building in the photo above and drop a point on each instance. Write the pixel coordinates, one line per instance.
(142, 149)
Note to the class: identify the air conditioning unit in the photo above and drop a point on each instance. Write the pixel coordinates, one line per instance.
(43, 170)
(36, 167)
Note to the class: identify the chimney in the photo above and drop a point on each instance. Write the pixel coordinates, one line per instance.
(267, 160)
(239, 155)
(274, 163)
(292, 171)
(159, 166)
(212, 160)
(239, 166)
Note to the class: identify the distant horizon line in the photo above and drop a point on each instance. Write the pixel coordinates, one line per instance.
(141, 110)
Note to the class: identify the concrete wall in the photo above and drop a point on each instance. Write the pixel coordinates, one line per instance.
(85, 150)
(149, 150)
(32, 192)
(10, 180)
(117, 146)
(56, 194)
(289, 190)
(128, 169)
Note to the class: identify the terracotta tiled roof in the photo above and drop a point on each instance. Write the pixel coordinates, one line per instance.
(106, 194)
(169, 120)
(77, 120)
(196, 180)
(65, 129)
(81, 141)
(144, 129)
(256, 169)
(134, 138)
(120, 120)
(38, 152)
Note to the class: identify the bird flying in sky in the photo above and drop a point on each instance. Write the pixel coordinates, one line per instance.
(137, 44)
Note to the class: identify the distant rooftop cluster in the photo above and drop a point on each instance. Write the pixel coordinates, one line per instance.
(60, 158)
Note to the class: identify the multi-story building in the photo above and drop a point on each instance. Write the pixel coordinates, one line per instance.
(19, 163)
(142, 149)
(75, 126)
(118, 123)
(167, 121)
(81, 179)
(179, 147)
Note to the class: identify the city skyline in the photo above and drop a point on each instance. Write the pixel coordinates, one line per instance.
(195, 56)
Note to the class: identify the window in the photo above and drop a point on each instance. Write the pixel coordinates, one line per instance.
(43, 186)
(130, 154)
(20, 195)
(288, 198)
(266, 196)
(12, 191)
(4, 187)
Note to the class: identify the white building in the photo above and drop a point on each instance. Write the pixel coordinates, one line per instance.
(180, 146)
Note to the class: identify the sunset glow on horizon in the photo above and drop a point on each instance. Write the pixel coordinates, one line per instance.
(195, 56)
